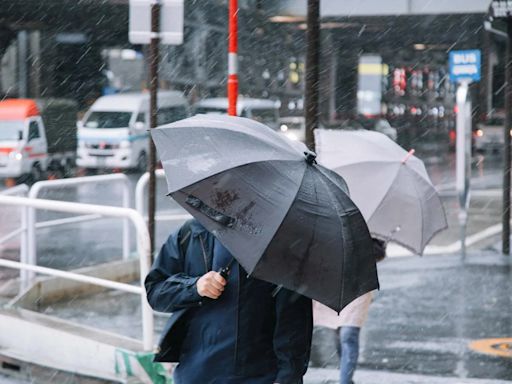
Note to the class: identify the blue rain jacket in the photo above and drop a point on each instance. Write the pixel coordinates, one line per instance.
(249, 335)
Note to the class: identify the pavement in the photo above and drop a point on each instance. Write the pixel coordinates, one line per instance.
(436, 319)
(331, 376)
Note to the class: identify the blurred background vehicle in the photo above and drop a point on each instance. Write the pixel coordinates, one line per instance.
(114, 132)
(488, 136)
(378, 125)
(37, 136)
(293, 127)
(262, 110)
(371, 124)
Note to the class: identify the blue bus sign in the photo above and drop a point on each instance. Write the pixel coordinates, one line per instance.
(465, 65)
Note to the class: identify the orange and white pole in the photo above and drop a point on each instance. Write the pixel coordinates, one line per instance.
(233, 57)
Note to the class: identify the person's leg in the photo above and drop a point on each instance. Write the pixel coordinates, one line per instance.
(349, 340)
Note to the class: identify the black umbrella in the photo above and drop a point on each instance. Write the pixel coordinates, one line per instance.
(286, 219)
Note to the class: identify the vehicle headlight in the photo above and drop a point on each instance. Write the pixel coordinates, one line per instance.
(479, 133)
(283, 128)
(292, 136)
(15, 155)
(124, 144)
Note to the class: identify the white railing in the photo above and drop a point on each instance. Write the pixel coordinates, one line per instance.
(19, 190)
(30, 257)
(143, 250)
(140, 189)
(140, 200)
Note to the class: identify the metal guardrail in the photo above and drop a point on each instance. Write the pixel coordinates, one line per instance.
(22, 190)
(140, 191)
(31, 255)
(143, 250)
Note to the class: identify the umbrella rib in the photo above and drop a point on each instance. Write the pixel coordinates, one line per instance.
(339, 214)
(311, 242)
(422, 220)
(282, 221)
(397, 241)
(422, 215)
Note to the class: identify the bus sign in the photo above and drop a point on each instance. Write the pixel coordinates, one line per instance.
(465, 65)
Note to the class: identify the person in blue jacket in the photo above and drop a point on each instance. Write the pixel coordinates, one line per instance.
(227, 330)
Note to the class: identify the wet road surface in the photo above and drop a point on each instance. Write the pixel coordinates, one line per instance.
(421, 322)
(426, 314)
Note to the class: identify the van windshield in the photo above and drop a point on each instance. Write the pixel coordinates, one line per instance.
(103, 119)
(206, 110)
(11, 130)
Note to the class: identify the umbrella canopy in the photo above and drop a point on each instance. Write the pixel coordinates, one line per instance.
(286, 219)
(389, 185)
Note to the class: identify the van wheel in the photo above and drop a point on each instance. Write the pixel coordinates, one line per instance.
(142, 163)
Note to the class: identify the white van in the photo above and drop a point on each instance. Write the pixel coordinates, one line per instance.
(261, 110)
(114, 131)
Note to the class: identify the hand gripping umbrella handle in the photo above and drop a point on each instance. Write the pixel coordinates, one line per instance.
(225, 271)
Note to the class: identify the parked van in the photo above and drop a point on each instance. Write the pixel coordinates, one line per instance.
(261, 110)
(37, 136)
(114, 131)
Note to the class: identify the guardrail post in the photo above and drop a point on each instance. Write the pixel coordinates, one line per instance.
(24, 276)
(144, 251)
(22, 190)
(29, 276)
(126, 222)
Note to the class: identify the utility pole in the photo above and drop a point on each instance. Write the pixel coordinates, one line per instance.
(502, 9)
(506, 135)
(233, 57)
(154, 22)
(154, 58)
(312, 71)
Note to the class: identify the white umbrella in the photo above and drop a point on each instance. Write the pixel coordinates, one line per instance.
(389, 185)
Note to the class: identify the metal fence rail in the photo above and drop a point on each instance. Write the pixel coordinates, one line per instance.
(140, 199)
(31, 254)
(143, 250)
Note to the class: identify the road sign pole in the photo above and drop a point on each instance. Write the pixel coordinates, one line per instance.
(154, 58)
(233, 58)
(463, 158)
(464, 69)
(506, 153)
(154, 22)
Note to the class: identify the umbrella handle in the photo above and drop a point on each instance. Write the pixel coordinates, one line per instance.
(408, 156)
(225, 271)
